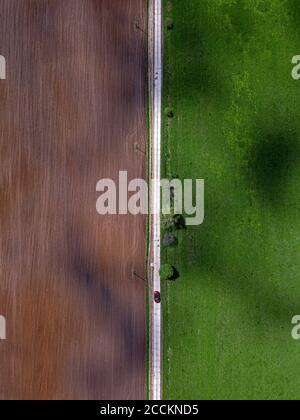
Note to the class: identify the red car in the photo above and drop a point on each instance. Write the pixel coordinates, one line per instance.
(157, 298)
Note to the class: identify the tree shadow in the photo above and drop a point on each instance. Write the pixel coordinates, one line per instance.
(271, 161)
(250, 282)
(241, 19)
(196, 71)
(199, 67)
(293, 7)
(176, 274)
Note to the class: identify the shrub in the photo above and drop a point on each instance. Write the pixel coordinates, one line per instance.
(170, 239)
(170, 24)
(171, 222)
(169, 112)
(179, 222)
(167, 272)
(168, 222)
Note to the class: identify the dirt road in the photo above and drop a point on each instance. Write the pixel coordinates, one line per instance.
(72, 108)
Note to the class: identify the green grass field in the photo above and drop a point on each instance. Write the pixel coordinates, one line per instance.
(227, 320)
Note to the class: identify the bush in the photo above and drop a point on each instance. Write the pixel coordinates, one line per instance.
(171, 222)
(168, 222)
(167, 272)
(170, 239)
(170, 24)
(169, 112)
(179, 222)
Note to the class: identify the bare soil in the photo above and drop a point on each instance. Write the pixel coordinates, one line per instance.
(72, 108)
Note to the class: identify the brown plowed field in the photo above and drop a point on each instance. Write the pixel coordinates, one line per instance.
(72, 108)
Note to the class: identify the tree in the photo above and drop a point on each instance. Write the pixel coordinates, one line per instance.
(170, 24)
(171, 222)
(168, 222)
(179, 222)
(167, 272)
(169, 112)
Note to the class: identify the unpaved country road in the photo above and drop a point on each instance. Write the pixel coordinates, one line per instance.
(72, 108)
